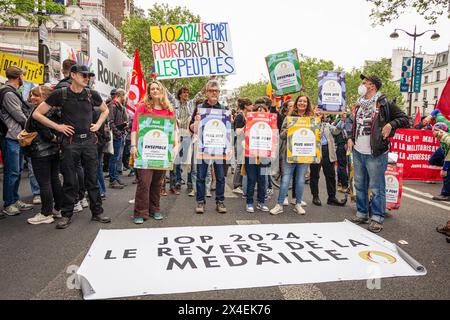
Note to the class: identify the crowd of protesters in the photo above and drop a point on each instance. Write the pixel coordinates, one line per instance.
(70, 136)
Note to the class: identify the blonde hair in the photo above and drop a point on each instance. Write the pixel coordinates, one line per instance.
(43, 91)
(163, 101)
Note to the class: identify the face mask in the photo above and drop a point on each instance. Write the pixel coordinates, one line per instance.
(362, 90)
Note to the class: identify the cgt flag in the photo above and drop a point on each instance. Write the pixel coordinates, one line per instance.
(443, 104)
(137, 85)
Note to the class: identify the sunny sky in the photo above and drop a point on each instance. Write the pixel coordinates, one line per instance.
(340, 31)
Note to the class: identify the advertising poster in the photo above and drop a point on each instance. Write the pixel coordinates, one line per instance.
(284, 72)
(332, 97)
(155, 142)
(261, 135)
(214, 134)
(34, 71)
(192, 50)
(303, 140)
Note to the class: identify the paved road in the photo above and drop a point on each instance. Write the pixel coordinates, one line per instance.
(36, 260)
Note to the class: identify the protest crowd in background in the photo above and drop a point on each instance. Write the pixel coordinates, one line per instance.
(70, 138)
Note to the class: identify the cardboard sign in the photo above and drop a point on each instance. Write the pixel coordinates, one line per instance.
(192, 50)
(261, 135)
(332, 96)
(214, 134)
(34, 71)
(284, 72)
(303, 140)
(394, 186)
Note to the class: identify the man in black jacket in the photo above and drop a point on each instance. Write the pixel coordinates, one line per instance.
(376, 119)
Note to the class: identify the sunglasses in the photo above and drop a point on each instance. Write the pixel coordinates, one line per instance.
(213, 91)
(85, 75)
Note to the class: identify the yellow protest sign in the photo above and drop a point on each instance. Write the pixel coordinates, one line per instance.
(34, 71)
(303, 140)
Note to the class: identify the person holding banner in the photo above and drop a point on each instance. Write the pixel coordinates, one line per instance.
(147, 198)
(376, 120)
(211, 104)
(302, 108)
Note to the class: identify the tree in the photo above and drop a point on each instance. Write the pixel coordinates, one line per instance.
(9, 9)
(253, 91)
(389, 10)
(136, 30)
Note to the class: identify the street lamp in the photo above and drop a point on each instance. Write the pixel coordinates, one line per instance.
(394, 35)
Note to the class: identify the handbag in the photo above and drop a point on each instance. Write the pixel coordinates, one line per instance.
(25, 138)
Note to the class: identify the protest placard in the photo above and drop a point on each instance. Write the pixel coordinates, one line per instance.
(261, 135)
(303, 140)
(214, 134)
(192, 50)
(34, 71)
(284, 72)
(332, 96)
(394, 186)
(155, 142)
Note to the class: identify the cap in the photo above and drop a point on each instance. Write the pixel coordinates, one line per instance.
(14, 72)
(113, 92)
(77, 68)
(374, 79)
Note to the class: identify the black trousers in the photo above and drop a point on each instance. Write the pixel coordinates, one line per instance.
(328, 171)
(46, 171)
(86, 152)
(342, 165)
(126, 154)
(81, 191)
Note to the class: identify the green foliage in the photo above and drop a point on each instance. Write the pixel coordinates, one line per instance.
(386, 11)
(136, 30)
(24, 8)
(253, 91)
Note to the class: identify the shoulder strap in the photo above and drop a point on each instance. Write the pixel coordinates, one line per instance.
(89, 95)
(64, 94)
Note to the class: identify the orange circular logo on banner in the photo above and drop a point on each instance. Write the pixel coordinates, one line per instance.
(378, 257)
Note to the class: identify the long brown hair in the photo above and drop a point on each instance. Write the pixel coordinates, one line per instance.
(163, 101)
(309, 112)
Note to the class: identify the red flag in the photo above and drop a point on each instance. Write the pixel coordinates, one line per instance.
(443, 104)
(418, 117)
(137, 85)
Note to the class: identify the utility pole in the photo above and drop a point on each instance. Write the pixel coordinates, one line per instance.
(43, 51)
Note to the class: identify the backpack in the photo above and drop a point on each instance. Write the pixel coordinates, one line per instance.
(4, 90)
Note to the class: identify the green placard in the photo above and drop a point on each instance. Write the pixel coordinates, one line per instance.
(155, 142)
(284, 71)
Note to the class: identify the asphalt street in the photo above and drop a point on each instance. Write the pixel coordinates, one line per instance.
(37, 262)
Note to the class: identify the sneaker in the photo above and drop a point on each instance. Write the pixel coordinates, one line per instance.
(208, 194)
(304, 204)
(286, 202)
(100, 218)
(41, 219)
(174, 191)
(238, 190)
(57, 214)
(84, 203)
(11, 210)
(294, 201)
(103, 196)
(64, 223)
(200, 209)
(116, 185)
(262, 207)
(192, 193)
(220, 207)
(22, 206)
(375, 227)
(358, 220)
(298, 208)
(131, 201)
(157, 216)
(78, 207)
(277, 209)
(122, 183)
(37, 200)
(138, 220)
(213, 187)
(250, 208)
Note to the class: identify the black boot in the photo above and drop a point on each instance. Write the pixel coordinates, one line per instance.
(317, 201)
(335, 202)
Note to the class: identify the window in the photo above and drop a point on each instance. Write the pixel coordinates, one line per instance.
(416, 97)
(438, 76)
(426, 79)
(436, 93)
(425, 93)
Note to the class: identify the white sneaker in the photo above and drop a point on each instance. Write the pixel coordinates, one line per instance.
(84, 203)
(286, 202)
(250, 208)
(262, 207)
(40, 219)
(11, 210)
(238, 190)
(37, 200)
(304, 204)
(78, 207)
(208, 194)
(277, 210)
(22, 206)
(131, 201)
(57, 214)
(298, 208)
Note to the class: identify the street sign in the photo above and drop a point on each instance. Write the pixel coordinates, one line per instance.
(44, 53)
(417, 84)
(405, 80)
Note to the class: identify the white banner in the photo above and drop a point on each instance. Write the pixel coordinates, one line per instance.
(124, 263)
(111, 66)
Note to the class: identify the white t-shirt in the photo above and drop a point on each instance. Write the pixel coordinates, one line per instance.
(364, 119)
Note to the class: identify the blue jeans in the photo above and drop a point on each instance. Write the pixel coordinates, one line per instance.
(369, 174)
(100, 178)
(437, 159)
(202, 170)
(13, 165)
(114, 160)
(35, 190)
(288, 171)
(254, 175)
